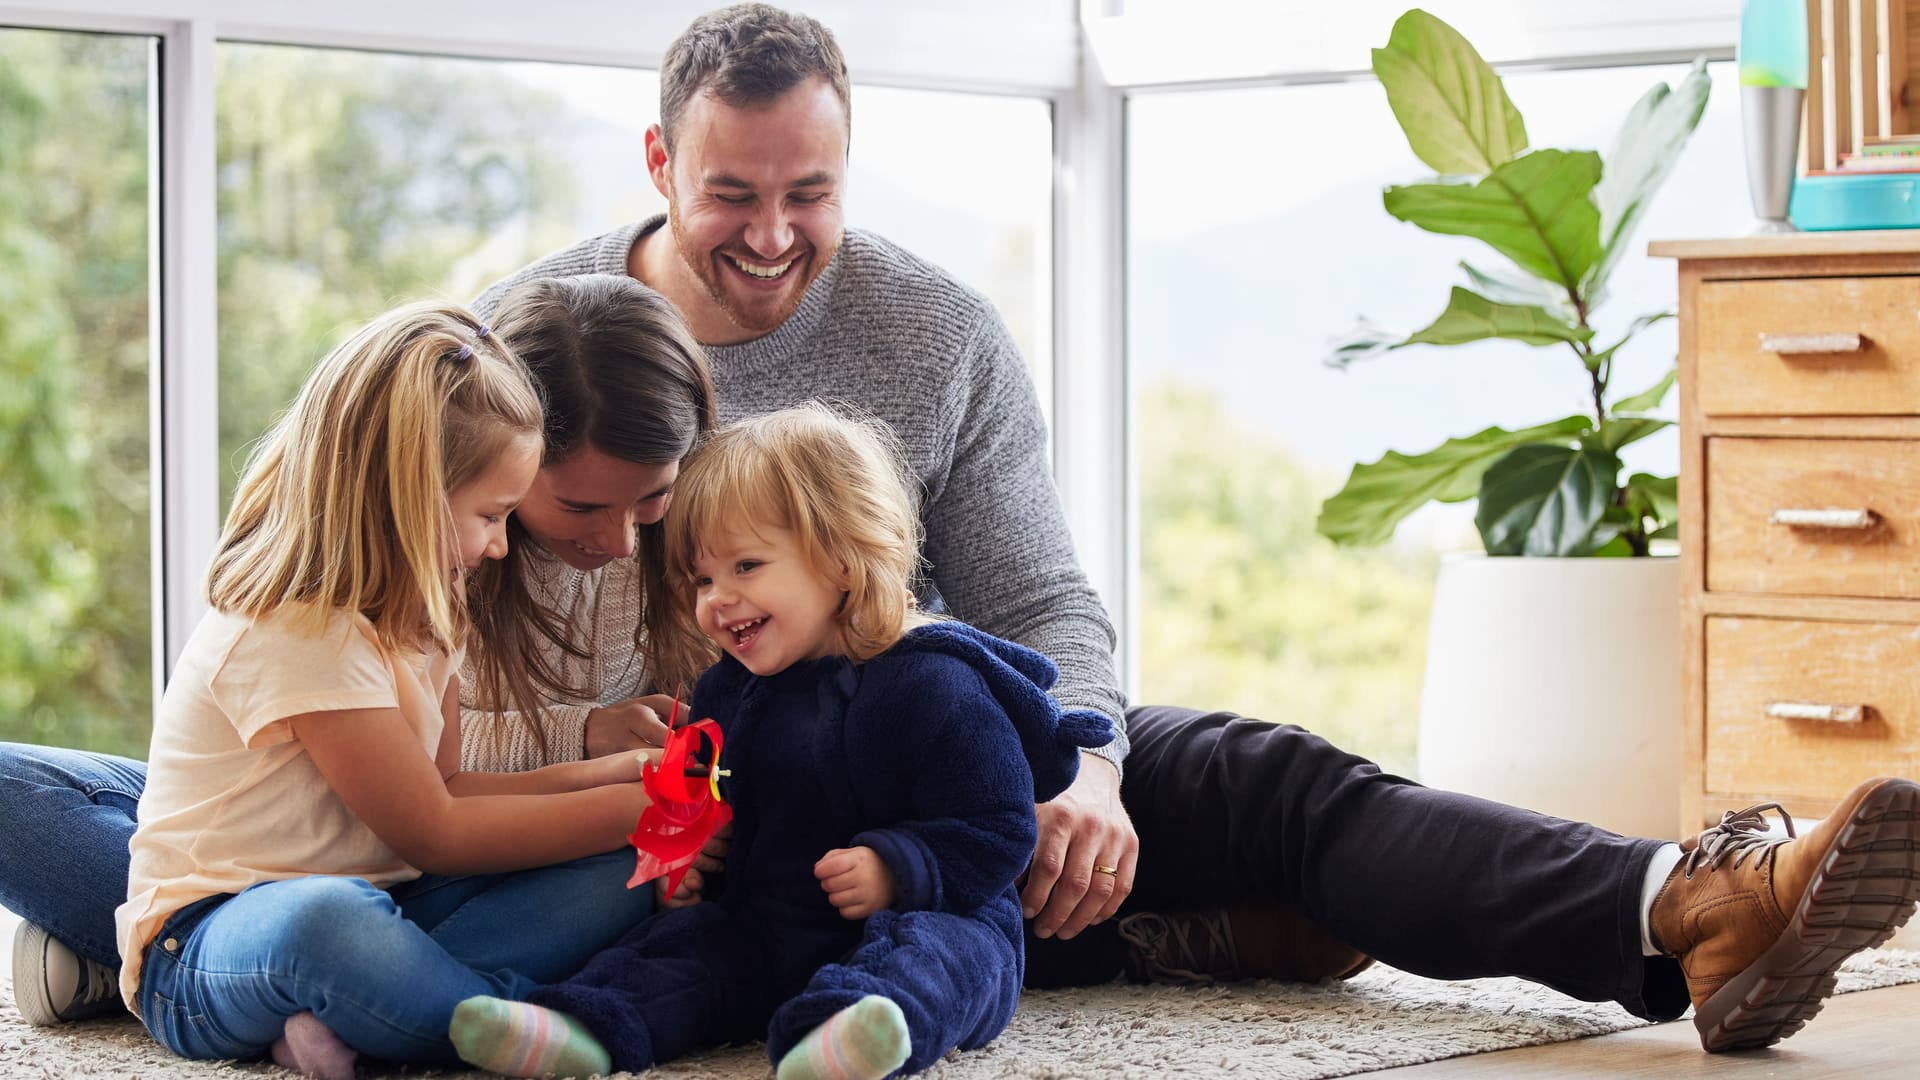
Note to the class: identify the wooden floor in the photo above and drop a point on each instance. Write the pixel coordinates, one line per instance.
(1875, 1033)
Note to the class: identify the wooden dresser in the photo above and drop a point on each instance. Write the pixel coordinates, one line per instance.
(1799, 517)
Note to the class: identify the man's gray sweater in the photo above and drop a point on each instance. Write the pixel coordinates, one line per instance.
(897, 337)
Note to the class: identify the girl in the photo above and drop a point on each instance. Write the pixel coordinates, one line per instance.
(627, 392)
(882, 767)
(304, 770)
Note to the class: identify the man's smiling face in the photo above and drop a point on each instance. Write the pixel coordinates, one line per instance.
(754, 200)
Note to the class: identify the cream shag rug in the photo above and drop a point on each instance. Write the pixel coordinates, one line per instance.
(1382, 1019)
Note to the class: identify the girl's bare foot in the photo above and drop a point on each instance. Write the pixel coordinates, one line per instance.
(309, 1046)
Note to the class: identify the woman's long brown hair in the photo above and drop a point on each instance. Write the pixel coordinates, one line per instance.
(621, 373)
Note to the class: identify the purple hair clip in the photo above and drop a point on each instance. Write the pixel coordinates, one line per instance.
(482, 331)
(466, 352)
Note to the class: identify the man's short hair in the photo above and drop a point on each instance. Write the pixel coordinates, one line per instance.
(747, 55)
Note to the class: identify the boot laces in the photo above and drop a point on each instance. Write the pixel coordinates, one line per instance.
(1188, 946)
(1740, 835)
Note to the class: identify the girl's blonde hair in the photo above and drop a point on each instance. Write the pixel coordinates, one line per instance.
(840, 484)
(344, 501)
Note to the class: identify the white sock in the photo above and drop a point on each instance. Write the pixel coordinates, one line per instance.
(1659, 868)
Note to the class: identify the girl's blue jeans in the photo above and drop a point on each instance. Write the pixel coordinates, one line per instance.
(382, 967)
(65, 819)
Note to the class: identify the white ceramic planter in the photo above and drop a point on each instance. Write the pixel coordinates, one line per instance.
(1554, 684)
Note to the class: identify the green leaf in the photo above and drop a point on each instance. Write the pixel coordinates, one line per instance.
(1598, 359)
(1450, 103)
(1364, 342)
(1534, 210)
(1468, 317)
(1606, 539)
(1651, 397)
(1545, 500)
(1379, 494)
(1619, 430)
(1655, 497)
(1643, 153)
(1616, 548)
(1471, 317)
(1512, 286)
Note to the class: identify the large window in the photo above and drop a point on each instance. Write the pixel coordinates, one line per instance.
(1255, 233)
(75, 653)
(350, 180)
(344, 181)
(965, 180)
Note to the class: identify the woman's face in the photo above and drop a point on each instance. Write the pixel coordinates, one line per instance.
(585, 509)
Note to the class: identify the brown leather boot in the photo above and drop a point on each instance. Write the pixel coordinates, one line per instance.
(1760, 923)
(1242, 941)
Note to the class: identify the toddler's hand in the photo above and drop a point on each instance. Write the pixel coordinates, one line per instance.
(857, 882)
(713, 854)
(687, 895)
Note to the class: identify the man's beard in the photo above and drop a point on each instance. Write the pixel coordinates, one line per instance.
(702, 266)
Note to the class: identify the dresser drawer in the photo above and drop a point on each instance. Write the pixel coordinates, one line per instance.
(1769, 523)
(1794, 666)
(1809, 346)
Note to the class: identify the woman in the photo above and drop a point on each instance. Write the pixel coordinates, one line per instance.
(627, 392)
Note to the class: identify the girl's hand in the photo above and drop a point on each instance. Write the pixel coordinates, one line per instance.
(623, 768)
(857, 882)
(688, 894)
(633, 795)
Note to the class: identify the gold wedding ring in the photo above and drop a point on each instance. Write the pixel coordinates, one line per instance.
(1114, 870)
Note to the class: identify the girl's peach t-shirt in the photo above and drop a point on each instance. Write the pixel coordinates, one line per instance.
(232, 798)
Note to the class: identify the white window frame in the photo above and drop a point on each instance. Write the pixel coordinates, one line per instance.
(1085, 57)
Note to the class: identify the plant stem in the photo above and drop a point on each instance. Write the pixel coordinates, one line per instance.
(1598, 375)
(1599, 382)
(1584, 350)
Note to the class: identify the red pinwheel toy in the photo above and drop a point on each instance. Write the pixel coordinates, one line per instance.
(687, 809)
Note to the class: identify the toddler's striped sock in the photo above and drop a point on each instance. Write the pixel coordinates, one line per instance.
(864, 1041)
(516, 1039)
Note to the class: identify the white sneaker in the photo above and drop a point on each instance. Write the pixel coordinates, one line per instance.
(52, 984)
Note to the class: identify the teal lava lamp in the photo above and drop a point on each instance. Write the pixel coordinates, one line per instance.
(1773, 91)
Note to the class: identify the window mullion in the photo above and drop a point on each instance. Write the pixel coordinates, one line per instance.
(1089, 392)
(184, 312)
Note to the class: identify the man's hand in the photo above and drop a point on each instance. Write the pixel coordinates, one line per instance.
(1083, 828)
(857, 882)
(633, 724)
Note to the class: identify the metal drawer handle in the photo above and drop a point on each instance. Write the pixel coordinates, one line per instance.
(1825, 519)
(1807, 710)
(1812, 343)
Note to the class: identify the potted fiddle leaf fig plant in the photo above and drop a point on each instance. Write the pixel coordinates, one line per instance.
(1551, 683)
(1560, 220)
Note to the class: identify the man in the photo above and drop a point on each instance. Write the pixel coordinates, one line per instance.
(1214, 810)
